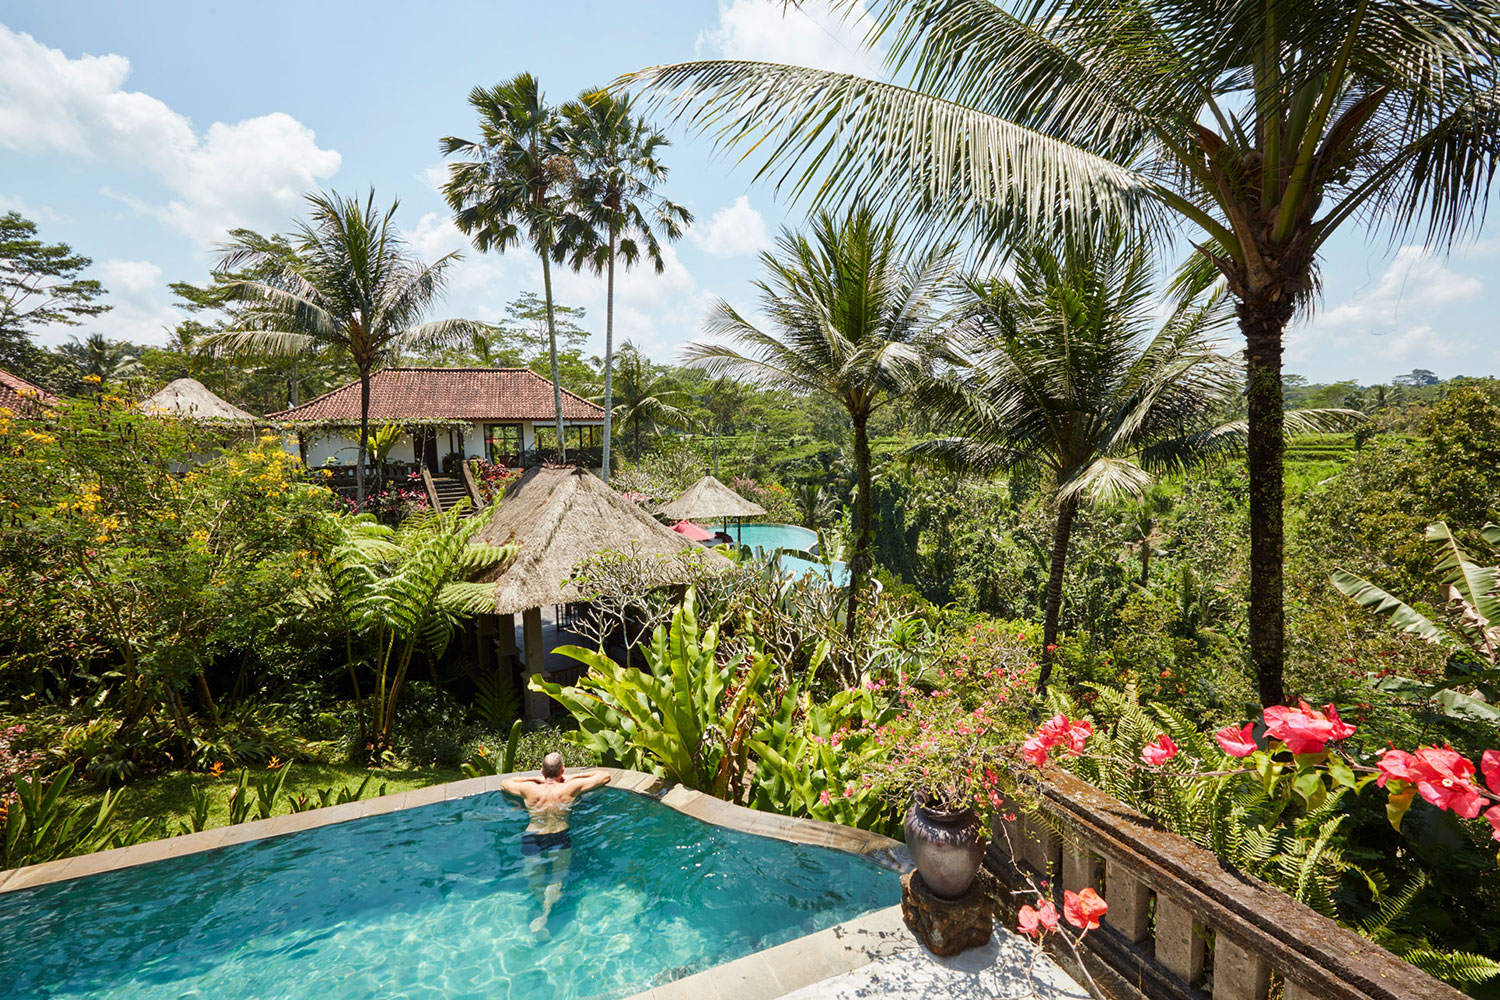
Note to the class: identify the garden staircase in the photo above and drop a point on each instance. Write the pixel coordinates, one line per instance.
(443, 492)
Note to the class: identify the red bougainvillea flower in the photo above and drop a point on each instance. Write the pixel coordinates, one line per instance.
(1084, 909)
(1237, 742)
(1490, 765)
(1078, 735)
(1443, 776)
(1055, 730)
(1158, 753)
(1033, 922)
(1035, 751)
(1305, 729)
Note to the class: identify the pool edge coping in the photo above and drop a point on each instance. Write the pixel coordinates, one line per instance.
(796, 964)
(881, 850)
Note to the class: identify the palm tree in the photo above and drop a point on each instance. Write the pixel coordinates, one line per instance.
(616, 209)
(1265, 125)
(649, 399)
(98, 358)
(852, 317)
(350, 285)
(516, 178)
(1059, 371)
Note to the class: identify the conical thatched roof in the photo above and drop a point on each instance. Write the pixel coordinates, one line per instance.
(191, 399)
(562, 516)
(708, 499)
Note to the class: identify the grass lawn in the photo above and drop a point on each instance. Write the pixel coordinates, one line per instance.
(169, 796)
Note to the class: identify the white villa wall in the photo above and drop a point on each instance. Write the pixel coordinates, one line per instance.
(340, 446)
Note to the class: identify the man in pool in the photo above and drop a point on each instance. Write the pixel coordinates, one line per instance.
(546, 845)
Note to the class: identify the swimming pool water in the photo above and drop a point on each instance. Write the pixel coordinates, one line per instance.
(432, 902)
(766, 538)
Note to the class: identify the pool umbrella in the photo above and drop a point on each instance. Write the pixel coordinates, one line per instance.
(708, 499)
(688, 529)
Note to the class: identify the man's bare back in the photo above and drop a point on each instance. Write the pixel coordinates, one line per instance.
(550, 800)
(547, 846)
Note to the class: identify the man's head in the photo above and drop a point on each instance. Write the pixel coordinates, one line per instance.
(552, 766)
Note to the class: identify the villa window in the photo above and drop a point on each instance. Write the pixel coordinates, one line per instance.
(502, 443)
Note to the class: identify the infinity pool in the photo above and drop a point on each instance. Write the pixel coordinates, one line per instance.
(767, 538)
(432, 902)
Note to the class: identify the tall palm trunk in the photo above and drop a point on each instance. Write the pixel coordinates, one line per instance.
(859, 565)
(609, 351)
(562, 447)
(1263, 319)
(364, 435)
(1066, 510)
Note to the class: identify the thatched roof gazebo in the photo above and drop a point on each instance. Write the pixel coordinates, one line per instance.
(562, 516)
(192, 400)
(710, 500)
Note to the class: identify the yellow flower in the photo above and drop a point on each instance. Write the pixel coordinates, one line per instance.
(93, 379)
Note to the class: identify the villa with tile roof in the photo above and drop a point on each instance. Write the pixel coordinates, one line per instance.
(498, 414)
(23, 398)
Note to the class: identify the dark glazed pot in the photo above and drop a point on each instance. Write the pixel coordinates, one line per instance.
(946, 845)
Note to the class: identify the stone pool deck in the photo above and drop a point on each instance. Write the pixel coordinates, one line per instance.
(873, 956)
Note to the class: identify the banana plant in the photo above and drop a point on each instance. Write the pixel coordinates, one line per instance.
(688, 718)
(1470, 633)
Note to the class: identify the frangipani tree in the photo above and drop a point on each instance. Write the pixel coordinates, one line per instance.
(1261, 127)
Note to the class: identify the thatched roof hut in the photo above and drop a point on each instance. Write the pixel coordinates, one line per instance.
(707, 500)
(192, 400)
(563, 516)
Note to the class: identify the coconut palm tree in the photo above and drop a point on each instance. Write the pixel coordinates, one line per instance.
(515, 185)
(1264, 126)
(96, 357)
(350, 285)
(852, 317)
(616, 210)
(1063, 370)
(649, 399)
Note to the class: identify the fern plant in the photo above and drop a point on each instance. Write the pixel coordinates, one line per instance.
(398, 590)
(1272, 837)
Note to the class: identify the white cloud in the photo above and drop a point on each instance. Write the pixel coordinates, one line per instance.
(140, 311)
(36, 213)
(1399, 318)
(805, 34)
(732, 231)
(250, 173)
(656, 312)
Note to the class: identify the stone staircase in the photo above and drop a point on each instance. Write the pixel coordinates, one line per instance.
(443, 492)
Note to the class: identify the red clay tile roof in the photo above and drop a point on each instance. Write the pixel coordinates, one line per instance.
(477, 394)
(12, 388)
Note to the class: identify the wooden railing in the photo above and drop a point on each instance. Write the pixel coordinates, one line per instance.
(1182, 924)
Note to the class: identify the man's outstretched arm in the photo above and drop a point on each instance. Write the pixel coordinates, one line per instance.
(591, 780)
(516, 786)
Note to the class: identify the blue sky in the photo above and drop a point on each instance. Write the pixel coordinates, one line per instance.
(140, 132)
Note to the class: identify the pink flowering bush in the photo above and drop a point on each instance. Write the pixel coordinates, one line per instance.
(949, 743)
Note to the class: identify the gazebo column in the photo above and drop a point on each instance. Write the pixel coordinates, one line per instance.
(531, 635)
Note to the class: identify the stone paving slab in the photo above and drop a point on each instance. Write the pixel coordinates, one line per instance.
(1008, 968)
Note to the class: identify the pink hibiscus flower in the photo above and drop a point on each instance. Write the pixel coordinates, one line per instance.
(1084, 909)
(1237, 742)
(1158, 753)
(1305, 729)
(1033, 922)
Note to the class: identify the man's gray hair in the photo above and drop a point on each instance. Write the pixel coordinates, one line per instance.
(552, 765)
